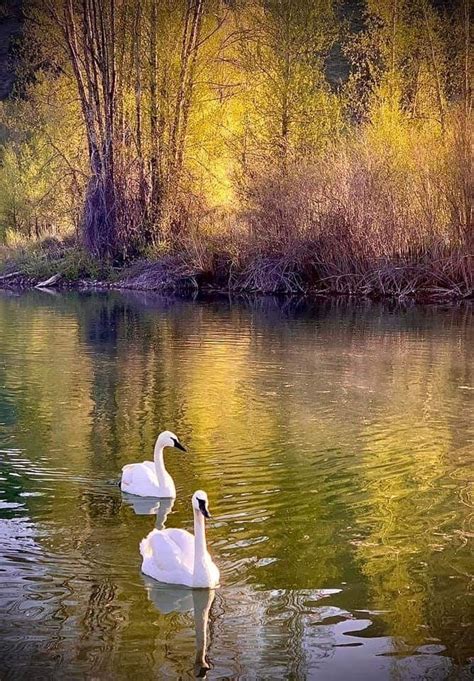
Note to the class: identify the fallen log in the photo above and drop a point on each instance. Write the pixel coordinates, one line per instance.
(9, 276)
(49, 282)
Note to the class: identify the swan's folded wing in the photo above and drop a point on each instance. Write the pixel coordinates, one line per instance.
(134, 474)
(185, 542)
(168, 549)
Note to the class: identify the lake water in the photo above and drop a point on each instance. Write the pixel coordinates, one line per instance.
(335, 443)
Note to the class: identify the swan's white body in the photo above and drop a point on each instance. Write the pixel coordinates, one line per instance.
(150, 478)
(175, 556)
(142, 479)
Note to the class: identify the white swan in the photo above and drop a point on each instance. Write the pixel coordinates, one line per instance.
(150, 478)
(177, 557)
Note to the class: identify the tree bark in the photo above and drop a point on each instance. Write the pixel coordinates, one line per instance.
(155, 197)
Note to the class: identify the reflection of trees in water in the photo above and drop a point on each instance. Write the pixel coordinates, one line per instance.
(129, 377)
(331, 328)
(101, 616)
(101, 505)
(253, 383)
(411, 517)
(100, 329)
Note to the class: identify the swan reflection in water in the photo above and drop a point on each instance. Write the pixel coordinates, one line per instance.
(169, 598)
(150, 506)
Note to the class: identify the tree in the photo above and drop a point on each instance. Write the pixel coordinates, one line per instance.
(283, 45)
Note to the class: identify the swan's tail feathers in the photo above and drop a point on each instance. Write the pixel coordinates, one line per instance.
(126, 476)
(145, 548)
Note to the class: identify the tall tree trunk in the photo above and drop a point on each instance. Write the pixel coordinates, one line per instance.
(285, 103)
(93, 63)
(138, 108)
(188, 95)
(467, 60)
(189, 50)
(179, 126)
(156, 189)
(394, 17)
(435, 67)
(465, 141)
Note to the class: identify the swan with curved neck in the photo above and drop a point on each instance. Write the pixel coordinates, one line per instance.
(150, 478)
(175, 556)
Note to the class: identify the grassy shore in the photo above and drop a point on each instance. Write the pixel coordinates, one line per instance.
(221, 265)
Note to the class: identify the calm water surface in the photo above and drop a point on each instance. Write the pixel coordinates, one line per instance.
(336, 446)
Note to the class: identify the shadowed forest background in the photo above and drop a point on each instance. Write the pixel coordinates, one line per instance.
(260, 145)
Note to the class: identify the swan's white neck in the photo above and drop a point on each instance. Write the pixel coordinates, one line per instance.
(200, 546)
(160, 465)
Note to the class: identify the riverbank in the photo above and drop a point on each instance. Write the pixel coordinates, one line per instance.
(58, 265)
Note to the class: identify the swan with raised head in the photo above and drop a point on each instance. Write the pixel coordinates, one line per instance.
(150, 478)
(175, 556)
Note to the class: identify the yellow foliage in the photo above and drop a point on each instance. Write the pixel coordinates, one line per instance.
(256, 103)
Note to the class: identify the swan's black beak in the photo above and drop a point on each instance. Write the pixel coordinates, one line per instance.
(203, 508)
(178, 445)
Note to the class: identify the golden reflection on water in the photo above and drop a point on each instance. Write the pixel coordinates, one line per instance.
(335, 444)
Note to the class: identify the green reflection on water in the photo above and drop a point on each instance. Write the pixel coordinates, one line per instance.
(335, 444)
